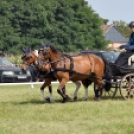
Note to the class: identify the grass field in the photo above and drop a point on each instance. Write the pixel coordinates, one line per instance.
(24, 111)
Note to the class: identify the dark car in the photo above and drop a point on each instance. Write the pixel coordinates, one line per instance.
(12, 73)
(110, 56)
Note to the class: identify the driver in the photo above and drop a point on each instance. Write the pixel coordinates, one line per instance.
(130, 44)
(122, 60)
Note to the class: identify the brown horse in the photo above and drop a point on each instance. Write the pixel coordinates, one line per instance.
(84, 68)
(30, 57)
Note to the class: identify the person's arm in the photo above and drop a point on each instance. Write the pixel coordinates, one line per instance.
(129, 45)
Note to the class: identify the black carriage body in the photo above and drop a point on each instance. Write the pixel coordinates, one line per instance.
(120, 70)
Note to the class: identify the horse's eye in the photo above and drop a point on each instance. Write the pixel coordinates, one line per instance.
(44, 53)
(27, 58)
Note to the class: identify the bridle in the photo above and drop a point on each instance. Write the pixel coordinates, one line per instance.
(27, 58)
(42, 59)
(49, 60)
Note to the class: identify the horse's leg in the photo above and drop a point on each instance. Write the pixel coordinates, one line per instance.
(85, 84)
(42, 92)
(62, 84)
(46, 83)
(64, 92)
(51, 95)
(78, 84)
(100, 86)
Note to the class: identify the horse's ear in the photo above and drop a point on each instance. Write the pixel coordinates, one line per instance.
(29, 50)
(47, 46)
(42, 44)
(23, 49)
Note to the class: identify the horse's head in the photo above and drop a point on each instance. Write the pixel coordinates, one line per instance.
(29, 57)
(44, 53)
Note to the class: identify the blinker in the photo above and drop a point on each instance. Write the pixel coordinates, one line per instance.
(45, 53)
(28, 58)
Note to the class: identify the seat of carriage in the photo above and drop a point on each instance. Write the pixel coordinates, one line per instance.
(123, 65)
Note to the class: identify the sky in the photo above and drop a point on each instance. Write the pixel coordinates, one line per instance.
(114, 9)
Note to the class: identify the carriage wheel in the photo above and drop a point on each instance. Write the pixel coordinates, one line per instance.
(111, 93)
(127, 86)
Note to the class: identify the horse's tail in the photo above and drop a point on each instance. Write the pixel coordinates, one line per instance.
(108, 75)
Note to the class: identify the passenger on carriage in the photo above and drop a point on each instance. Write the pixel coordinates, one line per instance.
(125, 58)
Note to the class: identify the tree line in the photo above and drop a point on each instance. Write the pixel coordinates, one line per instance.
(69, 25)
(123, 27)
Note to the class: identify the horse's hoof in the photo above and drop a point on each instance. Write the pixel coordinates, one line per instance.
(96, 98)
(64, 100)
(48, 99)
(52, 101)
(85, 99)
(75, 98)
(67, 97)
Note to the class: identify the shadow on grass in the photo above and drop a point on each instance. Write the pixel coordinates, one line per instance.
(114, 98)
(33, 101)
(90, 99)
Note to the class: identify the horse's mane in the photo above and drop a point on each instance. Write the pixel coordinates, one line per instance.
(64, 54)
(54, 49)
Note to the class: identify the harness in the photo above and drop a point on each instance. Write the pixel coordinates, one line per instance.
(71, 68)
(71, 71)
(90, 64)
(27, 58)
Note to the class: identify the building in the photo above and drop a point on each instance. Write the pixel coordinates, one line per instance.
(112, 34)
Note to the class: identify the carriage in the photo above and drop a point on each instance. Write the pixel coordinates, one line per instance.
(85, 69)
(122, 77)
(122, 80)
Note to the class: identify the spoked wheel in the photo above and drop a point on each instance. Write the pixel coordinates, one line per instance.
(111, 93)
(127, 86)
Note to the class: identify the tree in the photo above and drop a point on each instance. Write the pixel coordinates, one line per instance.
(105, 21)
(68, 25)
(123, 27)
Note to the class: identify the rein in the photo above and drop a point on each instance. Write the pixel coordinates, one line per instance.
(68, 70)
(71, 71)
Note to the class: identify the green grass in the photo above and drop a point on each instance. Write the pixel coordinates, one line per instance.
(24, 111)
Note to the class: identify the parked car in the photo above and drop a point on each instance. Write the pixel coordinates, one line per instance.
(12, 73)
(110, 56)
